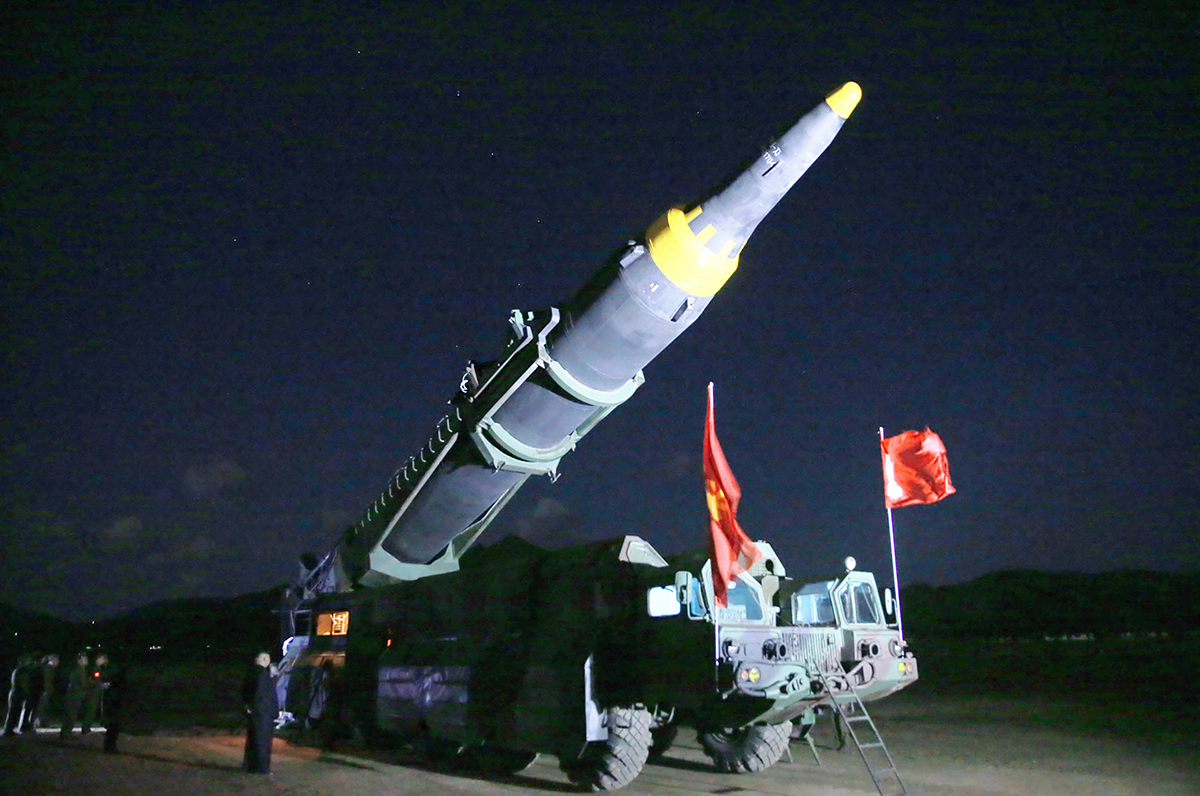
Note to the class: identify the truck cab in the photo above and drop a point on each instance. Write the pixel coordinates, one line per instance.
(848, 617)
(776, 637)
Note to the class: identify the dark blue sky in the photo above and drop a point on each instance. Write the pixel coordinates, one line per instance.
(248, 252)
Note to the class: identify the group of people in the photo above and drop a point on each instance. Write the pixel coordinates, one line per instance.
(31, 687)
(91, 692)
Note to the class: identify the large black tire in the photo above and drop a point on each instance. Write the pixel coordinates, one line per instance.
(612, 764)
(661, 738)
(747, 750)
(441, 754)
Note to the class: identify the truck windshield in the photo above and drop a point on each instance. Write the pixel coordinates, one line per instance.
(744, 603)
(813, 605)
(859, 604)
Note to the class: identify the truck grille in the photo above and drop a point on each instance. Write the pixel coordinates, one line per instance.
(816, 645)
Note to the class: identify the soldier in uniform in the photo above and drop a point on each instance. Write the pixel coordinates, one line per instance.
(35, 692)
(262, 707)
(48, 675)
(92, 693)
(19, 704)
(75, 695)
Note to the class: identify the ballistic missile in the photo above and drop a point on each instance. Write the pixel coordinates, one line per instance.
(564, 369)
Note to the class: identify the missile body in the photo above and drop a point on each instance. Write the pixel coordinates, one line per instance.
(563, 370)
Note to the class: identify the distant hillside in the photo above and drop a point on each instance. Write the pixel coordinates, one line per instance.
(25, 631)
(189, 629)
(201, 629)
(1013, 603)
(1032, 603)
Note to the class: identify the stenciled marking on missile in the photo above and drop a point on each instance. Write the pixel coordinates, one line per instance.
(772, 156)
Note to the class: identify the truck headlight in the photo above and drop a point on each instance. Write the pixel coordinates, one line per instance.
(773, 649)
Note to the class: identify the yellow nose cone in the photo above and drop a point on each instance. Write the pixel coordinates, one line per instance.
(842, 100)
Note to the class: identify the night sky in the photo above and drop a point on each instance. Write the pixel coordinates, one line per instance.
(248, 252)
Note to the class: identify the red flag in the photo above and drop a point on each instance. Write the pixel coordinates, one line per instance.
(915, 469)
(731, 550)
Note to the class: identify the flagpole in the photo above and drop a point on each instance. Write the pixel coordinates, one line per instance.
(712, 579)
(895, 575)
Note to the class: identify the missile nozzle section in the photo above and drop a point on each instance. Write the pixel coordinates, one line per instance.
(698, 248)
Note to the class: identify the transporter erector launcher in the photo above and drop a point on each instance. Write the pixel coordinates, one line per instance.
(564, 369)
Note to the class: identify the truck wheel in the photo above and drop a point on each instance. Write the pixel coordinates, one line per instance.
(747, 750)
(440, 753)
(661, 738)
(612, 764)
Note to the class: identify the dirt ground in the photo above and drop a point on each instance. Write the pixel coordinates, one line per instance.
(945, 746)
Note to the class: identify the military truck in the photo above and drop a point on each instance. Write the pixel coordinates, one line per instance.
(596, 654)
(405, 631)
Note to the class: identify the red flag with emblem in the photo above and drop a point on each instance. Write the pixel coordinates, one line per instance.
(730, 548)
(915, 469)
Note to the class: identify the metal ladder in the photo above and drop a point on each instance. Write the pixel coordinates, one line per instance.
(875, 755)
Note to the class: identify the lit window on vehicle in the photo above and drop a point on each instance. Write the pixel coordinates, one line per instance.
(744, 605)
(335, 623)
(847, 601)
(813, 607)
(864, 604)
(858, 603)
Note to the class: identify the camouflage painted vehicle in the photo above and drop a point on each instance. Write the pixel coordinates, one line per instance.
(595, 654)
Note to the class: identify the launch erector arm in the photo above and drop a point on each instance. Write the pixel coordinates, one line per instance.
(563, 371)
(473, 464)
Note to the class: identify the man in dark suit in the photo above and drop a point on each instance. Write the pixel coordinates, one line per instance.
(262, 707)
(113, 694)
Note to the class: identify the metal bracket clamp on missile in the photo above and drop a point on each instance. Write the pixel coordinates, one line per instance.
(562, 371)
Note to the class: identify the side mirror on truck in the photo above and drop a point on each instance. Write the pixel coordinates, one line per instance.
(689, 593)
(683, 586)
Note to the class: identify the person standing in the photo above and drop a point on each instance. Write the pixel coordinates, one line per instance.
(92, 693)
(112, 690)
(75, 695)
(292, 649)
(21, 686)
(47, 674)
(35, 693)
(262, 707)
